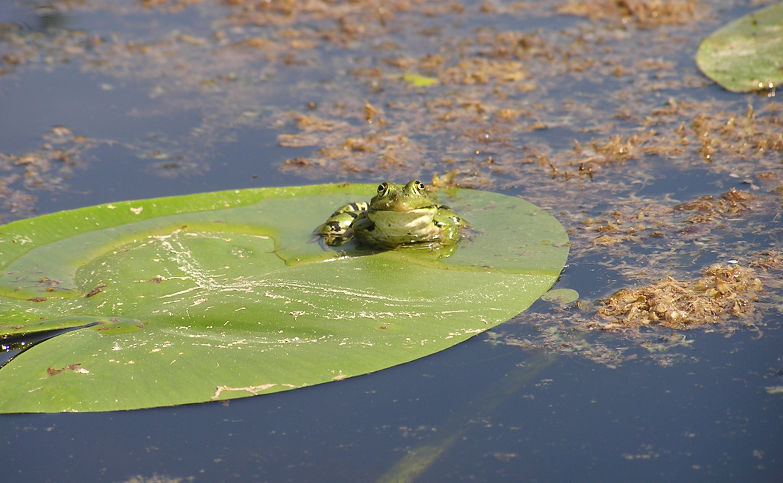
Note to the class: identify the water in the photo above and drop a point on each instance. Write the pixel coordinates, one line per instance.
(707, 418)
(196, 111)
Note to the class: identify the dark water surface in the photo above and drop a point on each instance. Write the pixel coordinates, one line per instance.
(709, 420)
(692, 406)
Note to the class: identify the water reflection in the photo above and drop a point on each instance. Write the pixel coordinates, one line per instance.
(49, 17)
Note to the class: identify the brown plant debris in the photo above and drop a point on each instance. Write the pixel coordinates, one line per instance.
(72, 367)
(768, 260)
(708, 207)
(655, 220)
(645, 13)
(724, 291)
(95, 291)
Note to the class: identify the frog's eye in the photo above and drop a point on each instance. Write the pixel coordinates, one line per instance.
(416, 187)
(382, 187)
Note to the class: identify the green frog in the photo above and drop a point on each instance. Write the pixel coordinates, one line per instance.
(398, 215)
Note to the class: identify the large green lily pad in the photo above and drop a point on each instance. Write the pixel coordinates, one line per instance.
(746, 54)
(224, 295)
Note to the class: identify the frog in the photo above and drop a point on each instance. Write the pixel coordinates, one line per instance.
(397, 216)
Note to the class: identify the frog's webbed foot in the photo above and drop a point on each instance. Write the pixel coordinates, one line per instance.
(336, 231)
(335, 239)
(338, 228)
(467, 234)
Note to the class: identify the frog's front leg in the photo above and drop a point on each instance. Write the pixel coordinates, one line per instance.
(338, 228)
(451, 225)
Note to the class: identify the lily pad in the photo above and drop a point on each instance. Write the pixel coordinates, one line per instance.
(746, 54)
(561, 296)
(224, 295)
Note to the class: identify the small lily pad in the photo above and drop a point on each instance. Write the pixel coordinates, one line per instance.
(419, 80)
(746, 54)
(224, 295)
(561, 296)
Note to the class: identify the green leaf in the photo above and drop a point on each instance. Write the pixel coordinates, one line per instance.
(419, 80)
(746, 54)
(224, 295)
(561, 296)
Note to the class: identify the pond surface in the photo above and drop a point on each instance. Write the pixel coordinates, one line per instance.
(593, 110)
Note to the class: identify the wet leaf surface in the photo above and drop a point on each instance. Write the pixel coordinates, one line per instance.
(215, 296)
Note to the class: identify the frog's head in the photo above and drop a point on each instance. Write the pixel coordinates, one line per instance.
(395, 197)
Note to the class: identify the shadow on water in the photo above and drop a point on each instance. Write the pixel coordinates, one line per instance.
(43, 17)
(420, 459)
